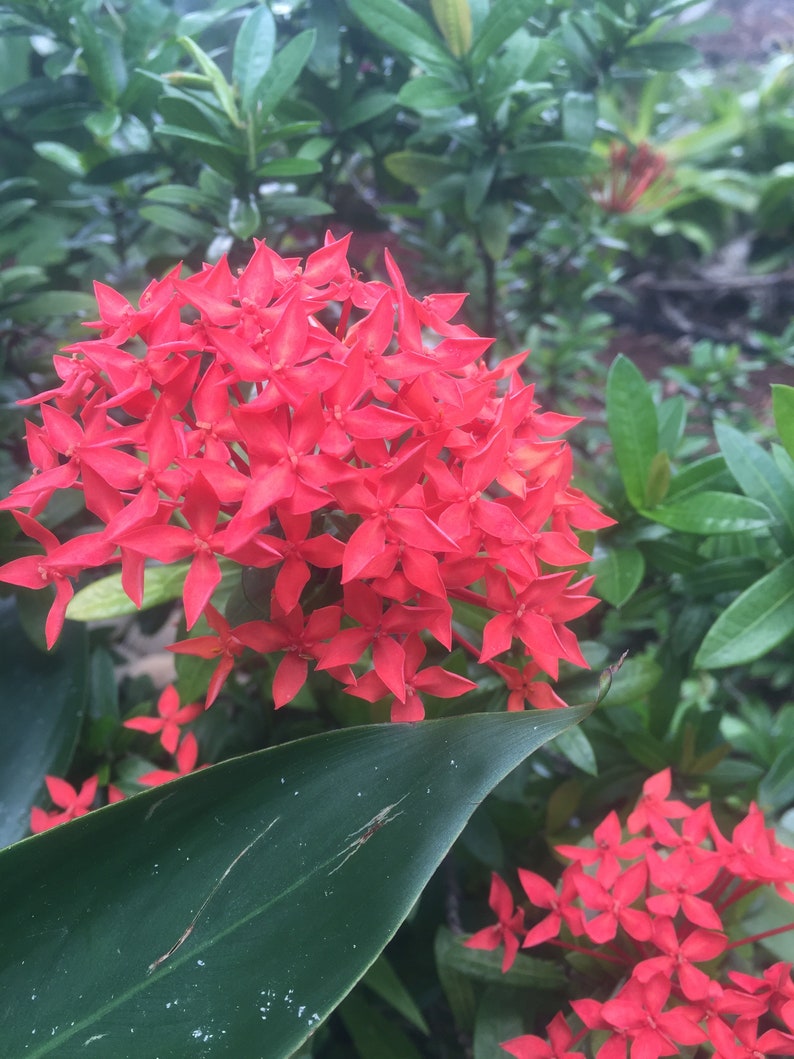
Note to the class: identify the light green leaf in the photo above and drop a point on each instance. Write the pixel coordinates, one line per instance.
(710, 512)
(253, 53)
(105, 599)
(759, 477)
(201, 911)
(760, 619)
(220, 86)
(783, 408)
(66, 157)
(41, 713)
(179, 221)
(579, 116)
(244, 219)
(632, 424)
(369, 106)
(619, 572)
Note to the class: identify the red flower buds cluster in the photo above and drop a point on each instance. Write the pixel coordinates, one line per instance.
(341, 434)
(653, 910)
(637, 178)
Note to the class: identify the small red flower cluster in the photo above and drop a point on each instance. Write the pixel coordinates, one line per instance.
(344, 434)
(183, 748)
(634, 174)
(653, 908)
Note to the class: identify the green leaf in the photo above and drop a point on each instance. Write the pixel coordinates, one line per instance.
(123, 167)
(557, 159)
(658, 481)
(41, 712)
(182, 133)
(374, 1035)
(776, 789)
(418, 168)
(672, 420)
(783, 408)
(65, 157)
(632, 424)
(284, 71)
(709, 471)
(579, 116)
(759, 477)
(760, 619)
(383, 980)
(494, 228)
(486, 966)
(179, 195)
(662, 55)
(244, 219)
(430, 93)
(220, 86)
(179, 221)
(711, 512)
(501, 22)
(575, 747)
(403, 29)
(103, 59)
(619, 572)
(201, 912)
(253, 53)
(105, 599)
(289, 167)
(367, 107)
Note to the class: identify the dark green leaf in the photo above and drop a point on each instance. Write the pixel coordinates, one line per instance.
(382, 979)
(501, 22)
(662, 55)
(374, 1035)
(776, 789)
(417, 168)
(760, 619)
(122, 167)
(41, 711)
(403, 29)
(253, 53)
(486, 966)
(201, 912)
(289, 167)
(284, 72)
(631, 419)
(575, 747)
(558, 159)
(430, 93)
(174, 220)
(103, 58)
(367, 107)
(710, 512)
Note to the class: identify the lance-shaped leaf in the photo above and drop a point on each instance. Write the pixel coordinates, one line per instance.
(758, 620)
(633, 426)
(229, 912)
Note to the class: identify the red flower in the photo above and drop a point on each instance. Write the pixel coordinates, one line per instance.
(613, 904)
(654, 809)
(171, 718)
(562, 910)
(185, 759)
(71, 804)
(505, 932)
(639, 1010)
(557, 1046)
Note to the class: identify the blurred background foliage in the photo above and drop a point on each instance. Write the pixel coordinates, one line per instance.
(600, 190)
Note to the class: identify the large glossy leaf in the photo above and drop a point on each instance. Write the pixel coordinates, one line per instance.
(502, 20)
(760, 619)
(230, 912)
(760, 478)
(783, 407)
(633, 426)
(41, 710)
(253, 53)
(619, 572)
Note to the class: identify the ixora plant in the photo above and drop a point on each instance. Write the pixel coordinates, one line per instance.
(648, 914)
(395, 496)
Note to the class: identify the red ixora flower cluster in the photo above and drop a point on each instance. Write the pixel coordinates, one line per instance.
(635, 174)
(182, 748)
(653, 908)
(341, 434)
